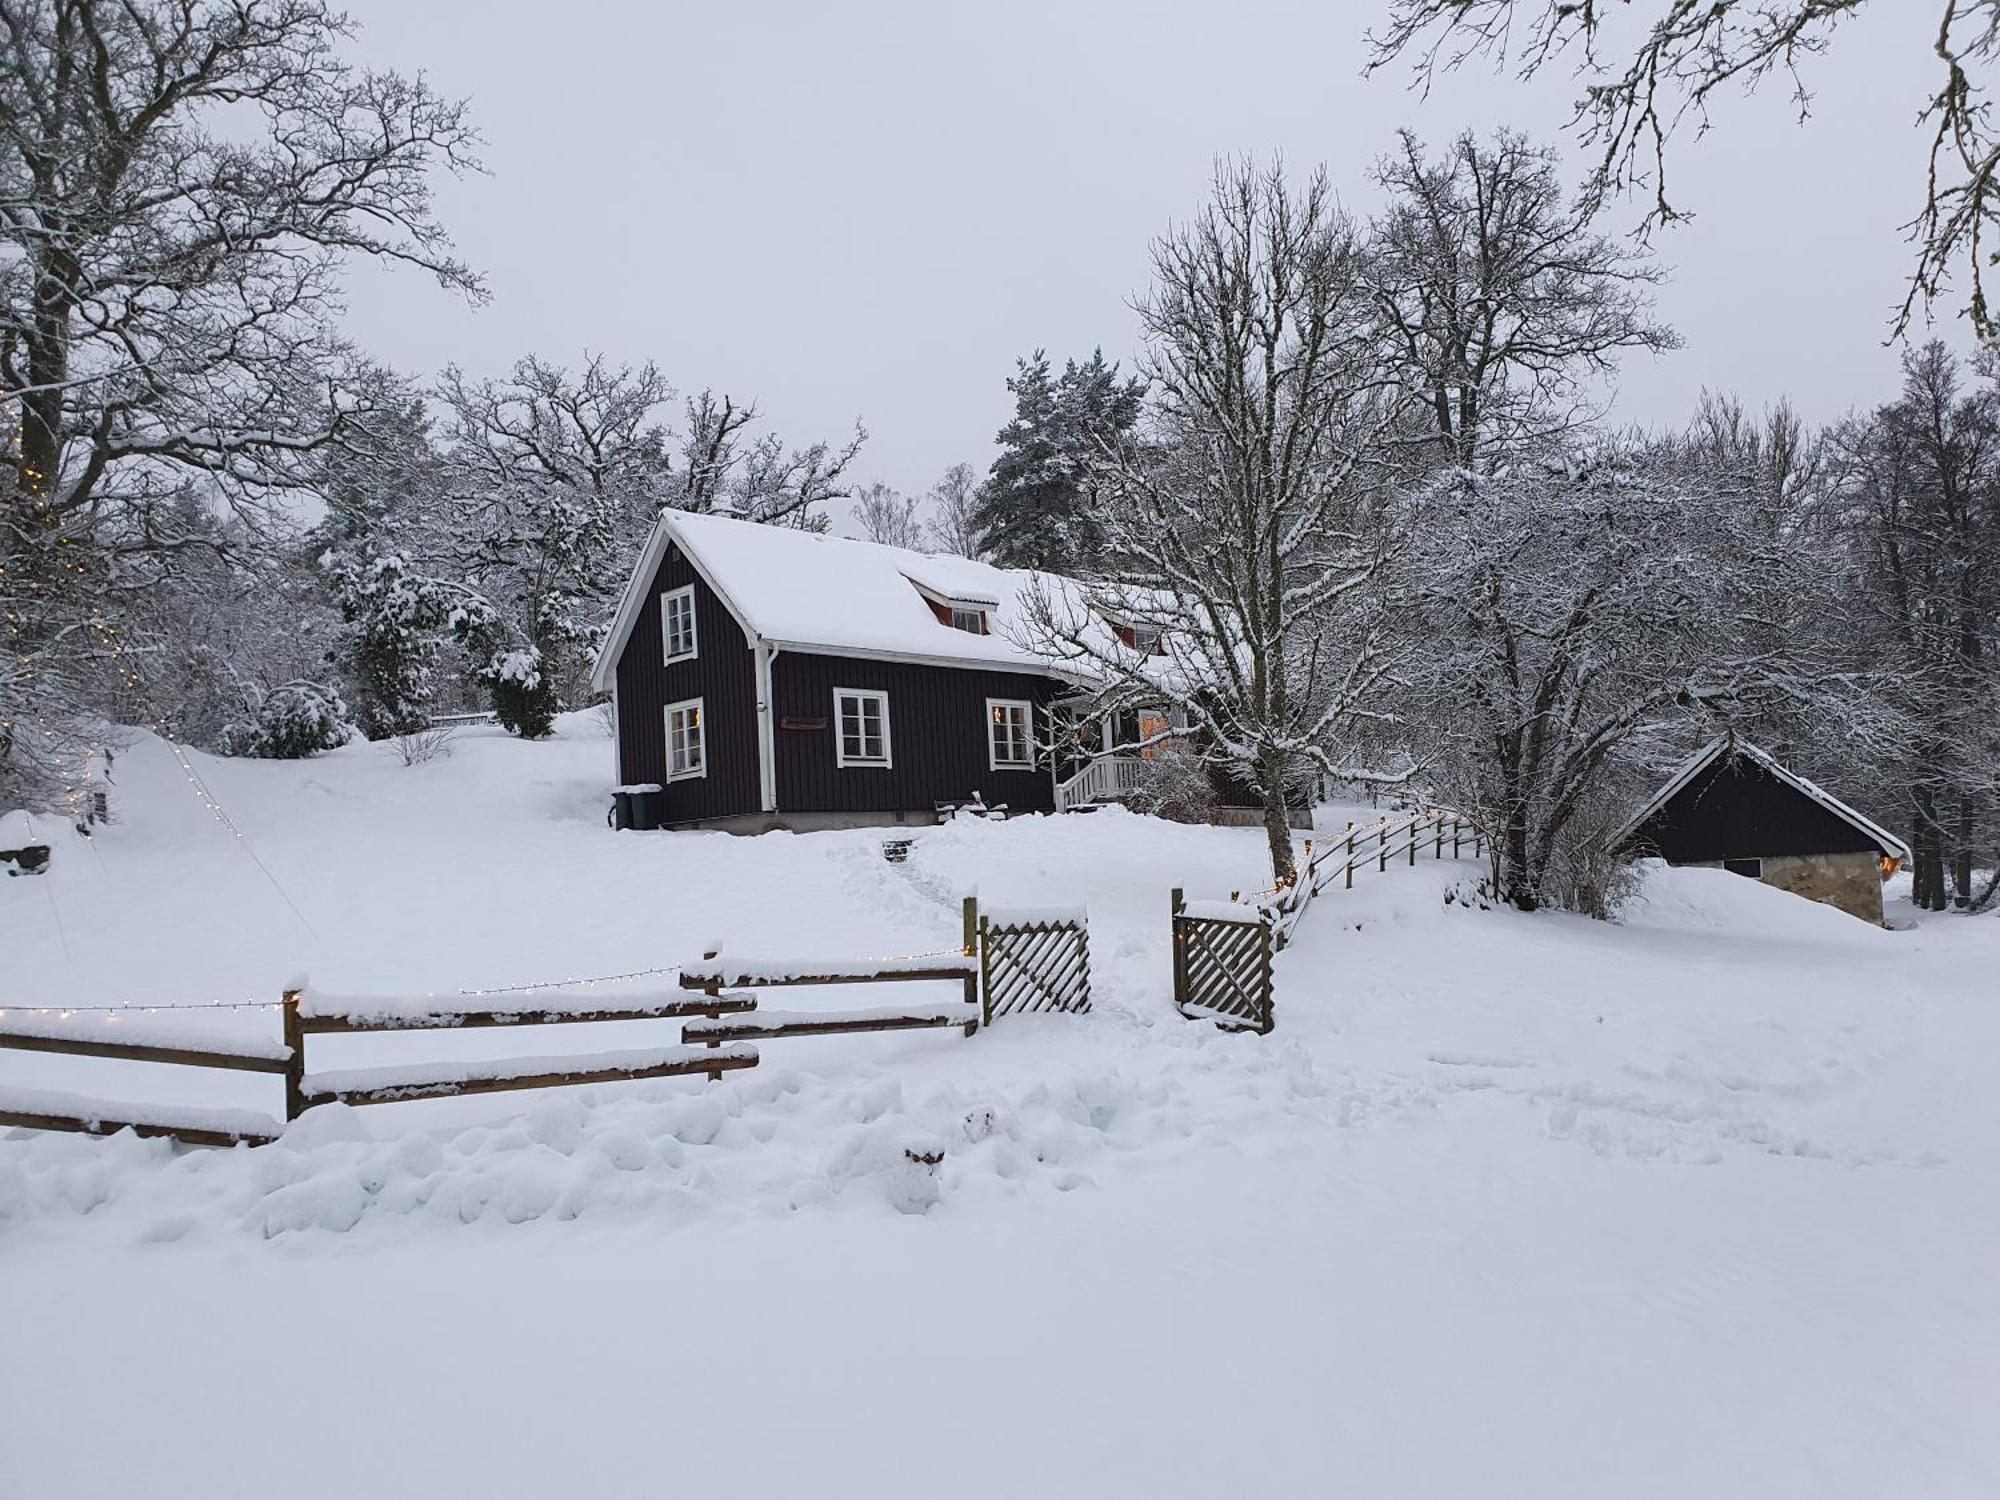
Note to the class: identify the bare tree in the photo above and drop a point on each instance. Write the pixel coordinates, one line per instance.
(1497, 297)
(1591, 610)
(1251, 551)
(757, 478)
(169, 286)
(954, 501)
(1919, 498)
(888, 516)
(1635, 102)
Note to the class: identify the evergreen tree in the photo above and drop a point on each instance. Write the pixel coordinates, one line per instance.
(1039, 507)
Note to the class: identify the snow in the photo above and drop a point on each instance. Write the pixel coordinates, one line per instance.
(424, 1012)
(248, 1122)
(416, 1076)
(1223, 911)
(1701, 1202)
(192, 1030)
(1032, 916)
(805, 591)
(727, 969)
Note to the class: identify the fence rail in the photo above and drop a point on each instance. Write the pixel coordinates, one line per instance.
(1390, 841)
(1031, 963)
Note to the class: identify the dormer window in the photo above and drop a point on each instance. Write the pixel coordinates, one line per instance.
(956, 609)
(1144, 639)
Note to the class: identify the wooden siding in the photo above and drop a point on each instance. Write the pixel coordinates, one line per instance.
(723, 674)
(1735, 809)
(937, 737)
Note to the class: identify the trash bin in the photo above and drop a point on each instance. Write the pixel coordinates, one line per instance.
(647, 804)
(620, 815)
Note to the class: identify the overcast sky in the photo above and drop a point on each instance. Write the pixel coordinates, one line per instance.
(868, 210)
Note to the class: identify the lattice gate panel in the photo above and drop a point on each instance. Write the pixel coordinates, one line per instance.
(1027, 967)
(1222, 971)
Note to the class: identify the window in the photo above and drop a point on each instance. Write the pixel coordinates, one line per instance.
(677, 623)
(862, 720)
(971, 621)
(1010, 743)
(687, 741)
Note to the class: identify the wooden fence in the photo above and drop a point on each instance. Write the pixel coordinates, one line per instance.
(302, 1015)
(1222, 963)
(1031, 961)
(1388, 842)
(1021, 963)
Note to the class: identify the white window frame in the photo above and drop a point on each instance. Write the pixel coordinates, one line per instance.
(700, 739)
(976, 616)
(840, 756)
(667, 600)
(993, 760)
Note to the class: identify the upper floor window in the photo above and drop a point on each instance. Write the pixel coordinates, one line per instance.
(861, 719)
(677, 623)
(1141, 638)
(1010, 742)
(972, 621)
(687, 741)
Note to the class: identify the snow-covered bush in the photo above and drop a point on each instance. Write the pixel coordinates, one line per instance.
(293, 721)
(421, 745)
(1174, 784)
(524, 699)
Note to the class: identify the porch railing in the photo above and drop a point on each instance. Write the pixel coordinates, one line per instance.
(1102, 778)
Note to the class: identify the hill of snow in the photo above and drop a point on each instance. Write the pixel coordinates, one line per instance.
(1700, 1202)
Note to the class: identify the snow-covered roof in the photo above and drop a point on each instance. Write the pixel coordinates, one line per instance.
(805, 591)
(1700, 761)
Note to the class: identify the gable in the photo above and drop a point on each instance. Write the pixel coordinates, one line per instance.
(1742, 805)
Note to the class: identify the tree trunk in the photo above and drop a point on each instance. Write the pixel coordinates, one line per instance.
(1961, 854)
(1927, 888)
(1277, 829)
(1519, 885)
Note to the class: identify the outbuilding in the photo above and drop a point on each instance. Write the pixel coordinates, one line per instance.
(1733, 806)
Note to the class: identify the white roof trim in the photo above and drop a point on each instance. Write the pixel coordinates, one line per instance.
(1709, 753)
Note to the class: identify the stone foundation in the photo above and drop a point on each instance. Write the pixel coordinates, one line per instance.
(1852, 882)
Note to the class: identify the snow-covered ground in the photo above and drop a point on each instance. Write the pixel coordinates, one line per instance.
(1704, 1202)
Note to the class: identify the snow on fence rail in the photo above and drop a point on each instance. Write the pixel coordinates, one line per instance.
(717, 1024)
(1389, 841)
(163, 1037)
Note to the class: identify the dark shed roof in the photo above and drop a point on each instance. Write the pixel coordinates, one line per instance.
(1734, 801)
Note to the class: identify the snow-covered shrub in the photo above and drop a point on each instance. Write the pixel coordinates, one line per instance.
(524, 699)
(421, 745)
(1173, 783)
(293, 721)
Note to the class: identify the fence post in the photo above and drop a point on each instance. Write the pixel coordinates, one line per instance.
(1175, 904)
(974, 946)
(1381, 846)
(1350, 854)
(1457, 827)
(1413, 840)
(295, 1063)
(1270, 1006)
(713, 989)
(1437, 835)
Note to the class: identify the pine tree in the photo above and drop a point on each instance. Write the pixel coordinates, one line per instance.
(1039, 507)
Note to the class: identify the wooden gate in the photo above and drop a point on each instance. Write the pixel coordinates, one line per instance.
(1222, 964)
(1032, 961)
